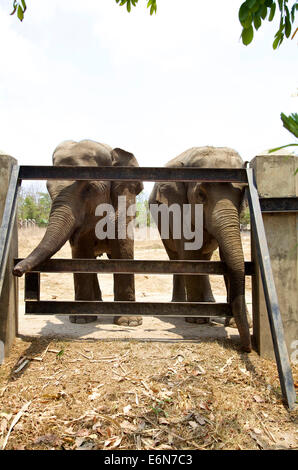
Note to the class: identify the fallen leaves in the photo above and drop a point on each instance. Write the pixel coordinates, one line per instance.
(48, 397)
(82, 443)
(258, 399)
(48, 439)
(14, 422)
(126, 409)
(95, 393)
(105, 396)
(227, 364)
(127, 427)
(112, 443)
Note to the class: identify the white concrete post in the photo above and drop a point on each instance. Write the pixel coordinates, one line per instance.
(9, 295)
(275, 177)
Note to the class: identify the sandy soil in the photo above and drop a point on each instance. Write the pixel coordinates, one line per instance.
(148, 288)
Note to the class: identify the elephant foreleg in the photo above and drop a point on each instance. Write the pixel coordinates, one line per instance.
(86, 286)
(198, 289)
(178, 293)
(124, 284)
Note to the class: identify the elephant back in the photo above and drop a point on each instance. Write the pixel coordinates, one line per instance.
(208, 157)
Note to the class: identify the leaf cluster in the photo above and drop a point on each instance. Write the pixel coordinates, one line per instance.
(150, 4)
(19, 7)
(253, 12)
(291, 124)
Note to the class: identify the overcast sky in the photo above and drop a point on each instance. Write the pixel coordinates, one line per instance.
(153, 85)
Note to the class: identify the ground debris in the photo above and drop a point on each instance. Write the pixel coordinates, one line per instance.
(105, 396)
(14, 422)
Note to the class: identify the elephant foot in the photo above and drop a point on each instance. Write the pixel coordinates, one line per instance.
(128, 321)
(81, 319)
(230, 321)
(198, 320)
(239, 313)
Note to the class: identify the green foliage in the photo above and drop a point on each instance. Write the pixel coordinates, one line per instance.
(19, 7)
(158, 409)
(245, 216)
(142, 210)
(60, 353)
(34, 205)
(253, 12)
(291, 124)
(150, 4)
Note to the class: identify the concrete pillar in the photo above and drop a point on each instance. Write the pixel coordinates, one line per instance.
(275, 178)
(9, 295)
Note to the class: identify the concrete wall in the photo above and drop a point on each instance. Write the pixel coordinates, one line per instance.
(9, 296)
(275, 178)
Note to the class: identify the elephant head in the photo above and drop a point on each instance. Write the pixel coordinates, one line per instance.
(122, 158)
(74, 202)
(129, 189)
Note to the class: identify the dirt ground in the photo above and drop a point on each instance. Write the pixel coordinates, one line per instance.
(167, 385)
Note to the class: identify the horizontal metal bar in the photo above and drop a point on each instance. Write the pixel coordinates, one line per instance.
(120, 266)
(8, 219)
(279, 204)
(122, 308)
(132, 173)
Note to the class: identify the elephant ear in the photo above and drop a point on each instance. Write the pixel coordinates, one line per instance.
(122, 158)
(172, 192)
(243, 188)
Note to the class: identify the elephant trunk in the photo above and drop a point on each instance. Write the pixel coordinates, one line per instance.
(62, 224)
(226, 230)
(123, 245)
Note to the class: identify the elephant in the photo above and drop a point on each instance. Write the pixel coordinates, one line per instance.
(73, 217)
(222, 203)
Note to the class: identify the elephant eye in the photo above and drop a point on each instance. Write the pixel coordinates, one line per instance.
(201, 195)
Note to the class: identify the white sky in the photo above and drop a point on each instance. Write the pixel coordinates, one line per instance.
(154, 86)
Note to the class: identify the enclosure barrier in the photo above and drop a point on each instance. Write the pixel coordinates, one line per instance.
(8, 251)
(206, 309)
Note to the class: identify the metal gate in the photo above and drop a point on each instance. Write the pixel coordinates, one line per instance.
(172, 309)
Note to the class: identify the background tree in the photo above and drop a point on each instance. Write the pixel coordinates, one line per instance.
(143, 218)
(291, 124)
(251, 14)
(33, 204)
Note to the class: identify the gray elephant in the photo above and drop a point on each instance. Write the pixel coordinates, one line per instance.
(221, 228)
(73, 217)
